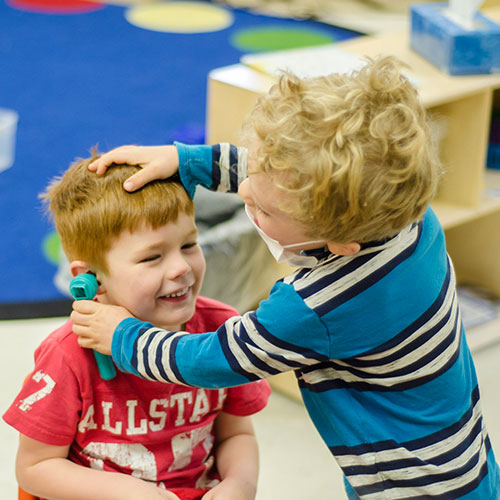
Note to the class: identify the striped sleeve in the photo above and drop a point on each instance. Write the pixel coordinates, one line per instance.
(221, 167)
(245, 348)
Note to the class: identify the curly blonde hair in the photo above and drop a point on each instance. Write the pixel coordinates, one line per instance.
(90, 211)
(354, 151)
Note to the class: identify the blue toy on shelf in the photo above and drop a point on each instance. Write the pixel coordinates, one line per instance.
(84, 287)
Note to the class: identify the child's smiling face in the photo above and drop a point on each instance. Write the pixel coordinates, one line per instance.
(156, 273)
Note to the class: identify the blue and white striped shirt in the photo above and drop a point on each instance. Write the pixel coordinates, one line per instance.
(376, 342)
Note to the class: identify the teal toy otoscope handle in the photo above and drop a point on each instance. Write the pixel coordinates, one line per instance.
(84, 287)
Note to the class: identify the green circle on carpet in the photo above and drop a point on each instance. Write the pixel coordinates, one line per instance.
(278, 38)
(51, 247)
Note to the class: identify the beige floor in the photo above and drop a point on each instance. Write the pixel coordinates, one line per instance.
(295, 465)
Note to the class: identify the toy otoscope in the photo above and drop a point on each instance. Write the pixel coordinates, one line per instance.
(84, 287)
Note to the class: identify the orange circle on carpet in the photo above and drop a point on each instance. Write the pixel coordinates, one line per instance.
(56, 6)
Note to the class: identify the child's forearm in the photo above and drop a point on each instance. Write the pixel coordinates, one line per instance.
(238, 461)
(129, 336)
(237, 458)
(61, 479)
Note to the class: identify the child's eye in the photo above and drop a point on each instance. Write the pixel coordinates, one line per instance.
(262, 212)
(151, 258)
(189, 245)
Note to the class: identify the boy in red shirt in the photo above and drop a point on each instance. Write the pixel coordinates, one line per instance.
(165, 441)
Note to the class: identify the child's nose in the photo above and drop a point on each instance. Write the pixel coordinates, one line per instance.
(177, 266)
(244, 193)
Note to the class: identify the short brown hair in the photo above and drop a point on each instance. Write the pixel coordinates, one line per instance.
(91, 210)
(354, 151)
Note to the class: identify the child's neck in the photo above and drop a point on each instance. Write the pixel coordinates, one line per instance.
(173, 328)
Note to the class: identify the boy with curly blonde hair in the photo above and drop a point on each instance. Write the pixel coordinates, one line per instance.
(128, 438)
(341, 171)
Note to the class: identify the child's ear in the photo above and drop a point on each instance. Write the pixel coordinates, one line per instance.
(344, 248)
(80, 266)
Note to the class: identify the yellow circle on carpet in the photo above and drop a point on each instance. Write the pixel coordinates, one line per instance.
(179, 17)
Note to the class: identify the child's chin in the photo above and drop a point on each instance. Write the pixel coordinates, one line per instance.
(173, 323)
(169, 316)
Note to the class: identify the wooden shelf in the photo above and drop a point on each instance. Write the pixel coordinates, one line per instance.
(492, 179)
(452, 215)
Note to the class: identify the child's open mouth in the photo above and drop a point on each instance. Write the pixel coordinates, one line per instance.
(176, 296)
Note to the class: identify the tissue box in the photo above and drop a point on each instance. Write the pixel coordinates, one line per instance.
(450, 46)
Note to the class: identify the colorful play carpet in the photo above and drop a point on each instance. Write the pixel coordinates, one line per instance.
(82, 73)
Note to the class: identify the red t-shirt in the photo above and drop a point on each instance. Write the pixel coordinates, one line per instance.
(155, 431)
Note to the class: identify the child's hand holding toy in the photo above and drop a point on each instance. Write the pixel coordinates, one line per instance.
(95, 323)
(84, 287)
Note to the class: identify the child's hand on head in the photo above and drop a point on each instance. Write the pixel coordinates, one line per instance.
(157, 162)
(95, 323)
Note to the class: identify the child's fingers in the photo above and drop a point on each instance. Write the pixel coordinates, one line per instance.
(123, 154)
(86, 342)
(78, 320)
(141, 178)
(85, 307)
(90, 343)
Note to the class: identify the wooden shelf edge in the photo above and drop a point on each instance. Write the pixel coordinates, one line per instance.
(451, 215)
